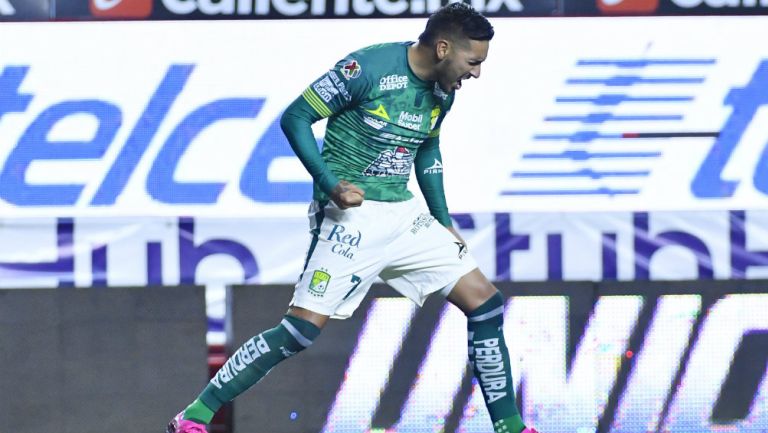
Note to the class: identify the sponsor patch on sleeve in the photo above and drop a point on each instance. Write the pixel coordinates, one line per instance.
(340, 86)
(325, 89)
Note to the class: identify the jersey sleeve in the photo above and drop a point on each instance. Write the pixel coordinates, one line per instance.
(429, 174)
(344, 86)
(296, 123)
(429, 168)
(341, 87)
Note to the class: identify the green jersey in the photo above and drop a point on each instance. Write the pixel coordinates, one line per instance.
(379, 114)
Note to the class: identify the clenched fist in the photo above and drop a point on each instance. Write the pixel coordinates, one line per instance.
(346, 194)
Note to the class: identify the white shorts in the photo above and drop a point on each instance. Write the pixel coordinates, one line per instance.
(397, 241)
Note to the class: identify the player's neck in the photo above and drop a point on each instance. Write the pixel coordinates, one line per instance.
(421, 61)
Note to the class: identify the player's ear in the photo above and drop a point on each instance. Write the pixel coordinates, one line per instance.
(442, 47)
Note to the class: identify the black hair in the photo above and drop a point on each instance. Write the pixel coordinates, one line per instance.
(456, 19)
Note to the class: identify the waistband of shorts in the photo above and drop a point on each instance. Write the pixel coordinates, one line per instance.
(373, 203)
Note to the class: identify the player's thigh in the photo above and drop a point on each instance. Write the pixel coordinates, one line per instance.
(342, 262)
(332, 289)
(426, 259)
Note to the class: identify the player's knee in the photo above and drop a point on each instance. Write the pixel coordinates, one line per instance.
(491, 309)
(472, 291)
(303, 331)
(479, 286)
(486, 290)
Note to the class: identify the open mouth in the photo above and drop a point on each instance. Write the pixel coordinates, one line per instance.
(458, 82)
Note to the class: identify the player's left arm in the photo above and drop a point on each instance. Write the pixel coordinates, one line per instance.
(429, 174)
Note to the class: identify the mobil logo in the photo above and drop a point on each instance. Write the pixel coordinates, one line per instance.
(38, 143)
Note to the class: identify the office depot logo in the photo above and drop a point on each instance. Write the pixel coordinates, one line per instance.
(627, 6)
(121, 8)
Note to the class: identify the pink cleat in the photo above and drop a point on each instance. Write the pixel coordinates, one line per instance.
(180, 425)
(529, 430)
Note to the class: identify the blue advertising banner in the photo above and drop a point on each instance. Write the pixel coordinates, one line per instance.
(569, 115)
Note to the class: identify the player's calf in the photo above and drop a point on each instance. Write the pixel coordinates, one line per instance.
(489, 358)
(252, 361)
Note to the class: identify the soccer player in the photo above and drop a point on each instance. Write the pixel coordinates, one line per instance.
(384, 104)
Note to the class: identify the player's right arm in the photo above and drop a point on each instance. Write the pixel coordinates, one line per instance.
(296, 123)
(330, 94)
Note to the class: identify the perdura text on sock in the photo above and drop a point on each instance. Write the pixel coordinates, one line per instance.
(248, 353)
(489, 363)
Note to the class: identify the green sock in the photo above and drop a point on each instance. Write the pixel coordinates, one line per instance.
(250, 363)
(490, 363)
(198, 412)
(512, 424)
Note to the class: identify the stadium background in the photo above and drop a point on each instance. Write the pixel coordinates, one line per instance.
(609, 170)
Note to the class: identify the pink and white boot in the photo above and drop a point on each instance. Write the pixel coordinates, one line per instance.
(180, 425)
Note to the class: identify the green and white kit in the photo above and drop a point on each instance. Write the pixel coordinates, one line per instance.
(383, 123)
(397, 241)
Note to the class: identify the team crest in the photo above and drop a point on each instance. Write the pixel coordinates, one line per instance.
(319, 283)
(351, 70)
